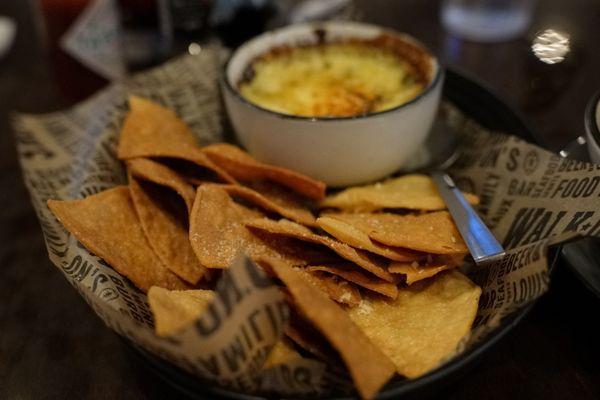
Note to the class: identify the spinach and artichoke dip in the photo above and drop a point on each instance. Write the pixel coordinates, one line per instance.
(331, 80)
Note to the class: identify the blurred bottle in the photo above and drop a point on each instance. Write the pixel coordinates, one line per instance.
(487, 20)
(185, 21)
(146, 40)
(189, 17)
(236, 21)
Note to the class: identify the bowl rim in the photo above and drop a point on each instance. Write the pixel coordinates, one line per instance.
(591, 123)
(431, 85)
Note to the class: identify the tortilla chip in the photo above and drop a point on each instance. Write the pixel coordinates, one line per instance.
(337, 289)
(429, 233)
(218, 233)
(296, 252)
(354, 237)
(306, 337)
(107, 224)
(282, 353)
(272, 199)
(369, 367)
(452, 260)
(164, 219)
(196, 181)
(151, 130)
(351, 273)
(413, 192)
(242, 166)
(175, 309)
(424, 326)
(291, 229)
(415, 272)
(146, 169)
(150, 124)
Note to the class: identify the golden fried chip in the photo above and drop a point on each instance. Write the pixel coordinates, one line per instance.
(294, 251)
(150, 124)
(430, 233)
(197, 181)
(272, 199)
(150, 130)
(414, 192)
(164, 219)
(305, 336)
(107, 224)
(291, 229)
(175, 309)
(218, 233)
(354, 237)
(144, 168)
(217, 230)
(452, 260)
(369, 367)
(337, 289)
(415, 272)
(424, 326)
(349, 272)
(242, 166)
(282, 353)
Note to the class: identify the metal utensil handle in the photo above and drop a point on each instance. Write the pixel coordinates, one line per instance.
(481, 242)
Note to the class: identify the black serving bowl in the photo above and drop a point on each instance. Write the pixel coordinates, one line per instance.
(487, 109)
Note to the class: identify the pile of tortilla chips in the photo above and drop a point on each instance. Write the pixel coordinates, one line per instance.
(370, 273)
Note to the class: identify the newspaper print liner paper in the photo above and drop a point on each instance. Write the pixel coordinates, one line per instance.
(530, 198)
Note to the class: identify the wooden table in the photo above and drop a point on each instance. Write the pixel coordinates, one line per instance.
(53, 347)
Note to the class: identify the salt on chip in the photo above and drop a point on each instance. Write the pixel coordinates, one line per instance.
(164, 219)
(291, 229)
(433, 233)
(425, 325)
(354, 237)
(415, 272)
(218, 234)
(242, 166)
(351, 273)
(149, 170)
(151, 130)
(217, 231)
(369, 367)
(107, 224)
(414, 192)
(173, 310)
(273, 200)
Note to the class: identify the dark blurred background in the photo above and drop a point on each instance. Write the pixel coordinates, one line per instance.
(546, 69)
(552, 96)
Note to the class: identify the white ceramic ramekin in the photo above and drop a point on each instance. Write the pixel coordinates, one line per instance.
(592, 128)
(339, 151)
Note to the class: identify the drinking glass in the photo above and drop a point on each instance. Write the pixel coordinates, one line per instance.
(486, 20)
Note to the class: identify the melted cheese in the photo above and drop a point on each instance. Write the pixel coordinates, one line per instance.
(331, 80)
